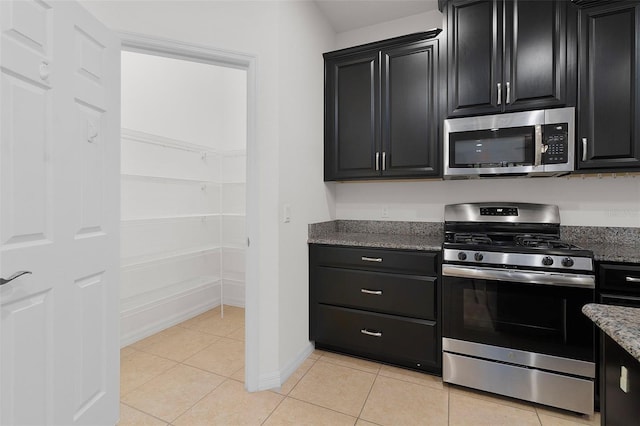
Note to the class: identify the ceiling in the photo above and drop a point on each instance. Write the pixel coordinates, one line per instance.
(346, 15)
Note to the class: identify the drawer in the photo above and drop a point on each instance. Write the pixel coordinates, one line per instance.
(619, 277)
(398, 261)
(404, 341)
(406, 295)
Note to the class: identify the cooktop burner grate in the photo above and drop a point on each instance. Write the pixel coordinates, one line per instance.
(541, 241)
(467, 238)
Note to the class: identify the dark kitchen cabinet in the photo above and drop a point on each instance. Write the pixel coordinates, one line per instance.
(620, 388)
(509, 55)
(609, 93)
(617, 284)
(376, 303)
(382, 109)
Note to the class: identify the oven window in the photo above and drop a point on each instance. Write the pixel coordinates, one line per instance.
(537, 318)
(492, 148)
(490, 311)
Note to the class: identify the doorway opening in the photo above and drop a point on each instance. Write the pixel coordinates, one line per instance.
(189, 202)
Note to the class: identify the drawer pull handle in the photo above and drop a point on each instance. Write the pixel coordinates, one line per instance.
(371, 333)
(633, 280)
(372, 259)
(376, 292)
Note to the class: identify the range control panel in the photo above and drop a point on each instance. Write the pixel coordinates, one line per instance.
(555, 144)
(498, 211)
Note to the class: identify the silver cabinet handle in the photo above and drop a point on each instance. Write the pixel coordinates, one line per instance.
(632, 279)
(508, 93)
(377, 161)
(584, 149)
(376, 292)
(371, 333)
(499, 93)
(4, 281)
(384, 161)
(371, 259)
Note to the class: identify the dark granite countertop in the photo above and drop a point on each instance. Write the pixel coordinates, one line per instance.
(609, 244)
(621, 323)
(393, 241)
(426, 236)
(612, 252)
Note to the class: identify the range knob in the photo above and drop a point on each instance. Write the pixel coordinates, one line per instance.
(462, 255)
(547, 261)
(567, 262)
(478, 256)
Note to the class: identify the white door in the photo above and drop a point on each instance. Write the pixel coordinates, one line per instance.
(59, 215)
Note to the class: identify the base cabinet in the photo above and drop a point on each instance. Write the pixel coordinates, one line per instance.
(376, 303)
(620, 387)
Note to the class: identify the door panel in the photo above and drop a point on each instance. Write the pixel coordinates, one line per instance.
(26, 358)
(90, 295)
(410, 110)
(351, 117)
(59, 211)
(474, 56)
(535, 54)
(26, 170)
(609, 93)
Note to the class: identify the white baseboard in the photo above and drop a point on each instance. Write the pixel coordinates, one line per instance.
(233, 293)
(157, 315)
(274, 380)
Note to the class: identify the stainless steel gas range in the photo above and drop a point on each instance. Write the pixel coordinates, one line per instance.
(512, 299)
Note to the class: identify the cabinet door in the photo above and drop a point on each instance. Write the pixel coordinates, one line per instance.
(352, 116)
(535, 73)
(609, 127)
(474, 57)
(410, 136)
(620, 400)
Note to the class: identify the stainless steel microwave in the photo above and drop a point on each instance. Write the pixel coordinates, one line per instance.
(530, 143)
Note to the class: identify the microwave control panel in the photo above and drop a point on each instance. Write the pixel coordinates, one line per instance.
(555, 143)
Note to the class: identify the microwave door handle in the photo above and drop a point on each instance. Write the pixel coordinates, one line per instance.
(539, 148)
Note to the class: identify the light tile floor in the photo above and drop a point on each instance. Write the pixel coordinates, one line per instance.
(193, 374)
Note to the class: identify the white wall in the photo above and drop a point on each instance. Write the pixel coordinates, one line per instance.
(594, 201)
(589, 201)
(303, 39)
(397, 27)
(289, 139)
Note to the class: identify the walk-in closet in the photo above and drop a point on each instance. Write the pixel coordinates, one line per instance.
(183, 186)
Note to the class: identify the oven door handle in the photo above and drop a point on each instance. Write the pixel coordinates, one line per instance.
(516, 275)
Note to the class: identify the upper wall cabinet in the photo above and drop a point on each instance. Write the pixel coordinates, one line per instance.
(382, 109)
(609, 89)
(509, 55)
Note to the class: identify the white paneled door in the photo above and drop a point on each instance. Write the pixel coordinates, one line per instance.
(59, 215)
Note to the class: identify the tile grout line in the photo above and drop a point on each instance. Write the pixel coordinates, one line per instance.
(368, 394)
(274, 409)
(312, 403)
(147, 381)
(144, 412)
(322, 406)
(194, 404)
(448, 405)
(176, 364)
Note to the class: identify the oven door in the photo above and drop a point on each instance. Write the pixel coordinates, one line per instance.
(538, 318)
